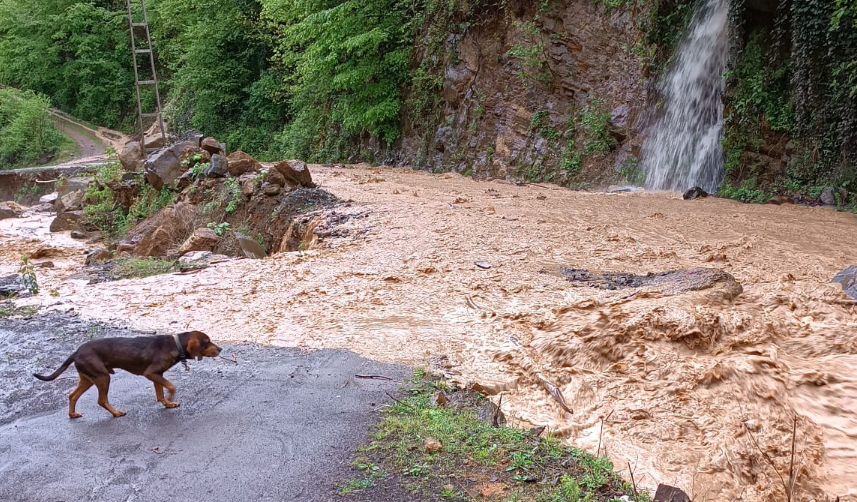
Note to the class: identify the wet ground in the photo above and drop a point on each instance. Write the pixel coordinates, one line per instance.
(280, 424)
(697, 387)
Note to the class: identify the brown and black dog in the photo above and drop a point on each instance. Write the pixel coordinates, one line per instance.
(149, 356)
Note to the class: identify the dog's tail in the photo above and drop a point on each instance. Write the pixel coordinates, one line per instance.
(59, 370)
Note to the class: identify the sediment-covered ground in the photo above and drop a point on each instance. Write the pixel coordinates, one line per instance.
(695, 377)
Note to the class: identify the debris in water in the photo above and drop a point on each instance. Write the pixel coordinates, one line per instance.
(848, 280)
(667, 493)
(694, 193)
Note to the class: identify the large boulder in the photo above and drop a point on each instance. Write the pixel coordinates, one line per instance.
(75, 184)
(202, 239)
(218, 168)
(72, 201)
(96, 256)
(295, 172)
(131, 157)
(156, 243)
(68, 220)
(212, 145)
(240, 163)
(164, 166)
(7, 211)
(249, 185)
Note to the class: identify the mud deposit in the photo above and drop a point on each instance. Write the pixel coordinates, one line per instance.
(697, 387)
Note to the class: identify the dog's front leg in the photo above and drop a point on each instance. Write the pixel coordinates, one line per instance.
(162, 383)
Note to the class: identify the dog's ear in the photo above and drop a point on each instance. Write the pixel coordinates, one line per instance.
(192, 347)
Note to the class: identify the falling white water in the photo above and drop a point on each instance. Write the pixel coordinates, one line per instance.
(683, 147)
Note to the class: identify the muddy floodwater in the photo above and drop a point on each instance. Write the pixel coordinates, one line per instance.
(694, 378)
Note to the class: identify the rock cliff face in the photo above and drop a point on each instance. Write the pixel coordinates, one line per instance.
(539, 93)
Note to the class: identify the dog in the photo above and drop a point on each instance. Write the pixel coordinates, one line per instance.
(149, 356)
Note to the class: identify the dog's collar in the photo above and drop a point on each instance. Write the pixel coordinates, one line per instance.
(181, 354)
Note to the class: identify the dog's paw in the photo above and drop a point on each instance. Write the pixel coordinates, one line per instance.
(74, 415)
(170, 404)
(119, 413)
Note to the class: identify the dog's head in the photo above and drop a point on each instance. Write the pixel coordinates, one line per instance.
(199, 345)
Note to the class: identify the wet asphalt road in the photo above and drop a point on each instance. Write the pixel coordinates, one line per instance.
(281, 424)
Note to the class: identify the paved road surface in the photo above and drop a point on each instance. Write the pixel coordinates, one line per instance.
(282, 424)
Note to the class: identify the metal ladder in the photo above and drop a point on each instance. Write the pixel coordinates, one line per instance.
(143, 27)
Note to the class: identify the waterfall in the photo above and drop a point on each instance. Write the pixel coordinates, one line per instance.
(683, 147)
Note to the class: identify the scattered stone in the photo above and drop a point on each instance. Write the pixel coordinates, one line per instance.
(189, 158)
(271, 189)
(72, 201)
(45, 252)
(49, 198)
(164, 167)
(432, 445)
(249, 185)
(202, 239)
(275, 178)
(666, 493)
(212, 145)
(537, 431)
(7, 212)
(68, 220)
(185, 180)
(131, 156)
(75, 184)
(439, 399)
(219, 167)
(195, 257)
(154, 140)
(156, 243)
(694, 193)
(251, 248)
(296, 172)
(44, 264)
(97, 255)
(848, 280)
(10, 285)
(240, 163)
(483, 265)
(460, 200)
(780, 199)
(77, 234)
(828, 197)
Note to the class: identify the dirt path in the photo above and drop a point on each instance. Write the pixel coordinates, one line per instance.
(92, 142)
(695, 385)
(88, 145)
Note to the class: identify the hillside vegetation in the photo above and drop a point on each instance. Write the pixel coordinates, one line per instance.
(330, 80)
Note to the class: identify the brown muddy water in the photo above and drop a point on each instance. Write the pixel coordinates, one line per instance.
(696, 387)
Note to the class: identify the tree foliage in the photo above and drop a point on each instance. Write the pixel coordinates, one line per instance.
(75, 52)
(347, 62)
(27, 133)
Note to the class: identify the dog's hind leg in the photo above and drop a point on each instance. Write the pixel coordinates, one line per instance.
(103, 384)
(82, 386)
(162, 383)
